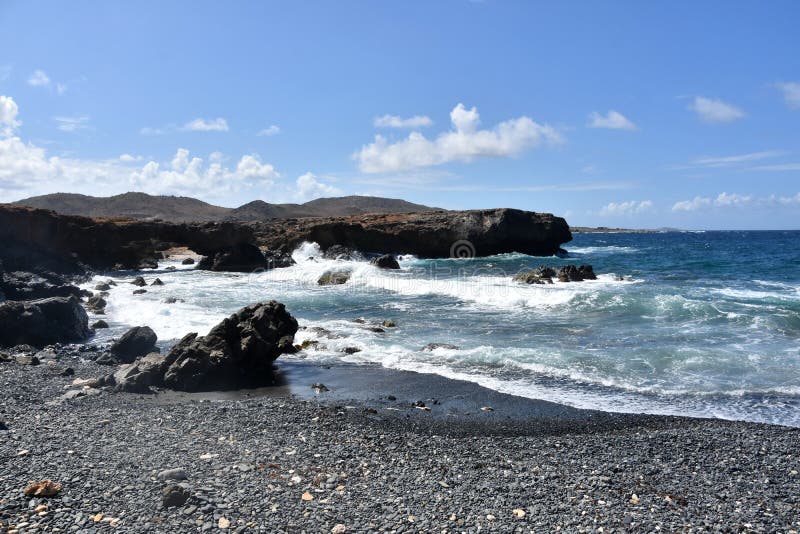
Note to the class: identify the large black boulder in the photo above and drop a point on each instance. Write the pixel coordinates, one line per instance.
(43, 322)
(240, 258)
(137, 341)
(387, 261)
(236, 353)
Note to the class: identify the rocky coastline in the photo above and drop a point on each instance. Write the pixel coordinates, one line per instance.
(217, 433)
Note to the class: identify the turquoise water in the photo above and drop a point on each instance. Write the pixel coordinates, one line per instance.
(701, 324)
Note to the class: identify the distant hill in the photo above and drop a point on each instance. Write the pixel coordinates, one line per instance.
(183, 209)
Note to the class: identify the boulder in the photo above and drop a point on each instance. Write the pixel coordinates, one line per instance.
(236, 353)
(333, 278)
(102, 287)
(277, 259)
(139, 281)
(387, 261)
(96, 304)
(139, 291)
(570, 273)
(240, 258)
(97, 325)
(157, 282)
(137, 341)
(23, 285)
(139, 376)
(188, 261)
(43, 322)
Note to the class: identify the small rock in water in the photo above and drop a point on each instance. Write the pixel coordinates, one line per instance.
(173, 474)
(487, 409)
(319, 387)
(188, 261)
(97, 325)
(433, 346)
(157, 282)
(174, 495)
(139, 281)
(139, 291)
(388, 323)
(102, 287)
(351, 350)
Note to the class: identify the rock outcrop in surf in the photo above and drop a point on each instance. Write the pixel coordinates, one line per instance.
(237, 353)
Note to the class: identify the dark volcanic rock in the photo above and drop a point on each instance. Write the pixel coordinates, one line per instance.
(139, 281)
(333, 278)
(36, 239)
(97, 325)
(136, 342)
(139, 291)
(339, 252)
(541, 275)
(43, 322)
(188, 261)
(436, 234)
(570, 273)
(241, 258)
(96, 304)
(237, 353)
(387, 261)
(157, 282)
(278, 259)
(23, 285)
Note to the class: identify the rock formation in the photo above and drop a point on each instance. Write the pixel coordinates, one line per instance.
(436, 234)
(43, 322)
(237, 353)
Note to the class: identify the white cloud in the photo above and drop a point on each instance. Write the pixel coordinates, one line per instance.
(8, 115)
(715, 110)
(61, 88)
(630, 207)
(269, 131)
(308, 188)
(71, 124)
(735, 200)
(202, 125)
(39, 79)
(791, 93)
(127, 158)
(730, 161)
(464, 143)
(613, 120)
(393, 121)
(250, 167)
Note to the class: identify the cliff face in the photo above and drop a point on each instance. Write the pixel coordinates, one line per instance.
(438, 234)
(30, 236)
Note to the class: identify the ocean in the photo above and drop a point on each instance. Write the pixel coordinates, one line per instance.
(702, 324)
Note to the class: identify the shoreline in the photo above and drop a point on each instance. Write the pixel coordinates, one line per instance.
(295, 461)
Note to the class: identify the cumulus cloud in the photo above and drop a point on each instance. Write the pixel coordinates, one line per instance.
(393, 121)
(613, 120)
(269, 131)
(39, 78)
(71, 124)
(715, 110)
(8, 115)
(735, 200)
(127, 158)
(630, 207)
(202, 125)
(464, 143)
(308, 187)
(791, 93)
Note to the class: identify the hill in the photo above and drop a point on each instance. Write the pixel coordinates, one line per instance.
(185, 209)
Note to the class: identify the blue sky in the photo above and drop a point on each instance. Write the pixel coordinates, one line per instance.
(636, 114)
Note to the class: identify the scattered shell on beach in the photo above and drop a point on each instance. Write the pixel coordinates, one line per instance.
(307, 496)
(634, 499)
(519, 513)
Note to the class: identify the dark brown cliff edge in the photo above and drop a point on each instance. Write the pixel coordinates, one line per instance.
(431, 234)
(66, 243)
